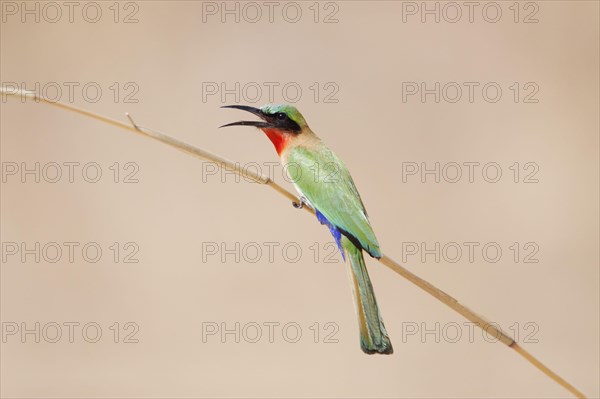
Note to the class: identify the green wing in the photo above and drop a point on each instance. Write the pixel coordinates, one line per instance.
(323, 179)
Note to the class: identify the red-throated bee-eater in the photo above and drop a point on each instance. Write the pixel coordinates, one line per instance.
(324, 184)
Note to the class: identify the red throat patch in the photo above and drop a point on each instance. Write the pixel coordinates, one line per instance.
(278, 138)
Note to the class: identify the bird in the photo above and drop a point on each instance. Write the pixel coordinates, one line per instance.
(324, 184)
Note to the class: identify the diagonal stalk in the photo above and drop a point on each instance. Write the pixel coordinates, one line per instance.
(489, 328)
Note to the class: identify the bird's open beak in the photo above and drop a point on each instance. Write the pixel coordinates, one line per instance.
(252, 110)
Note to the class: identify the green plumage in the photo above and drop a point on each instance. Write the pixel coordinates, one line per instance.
(325, 183)
(373, 335)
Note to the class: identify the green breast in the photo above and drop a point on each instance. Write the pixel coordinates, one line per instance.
(324, 180)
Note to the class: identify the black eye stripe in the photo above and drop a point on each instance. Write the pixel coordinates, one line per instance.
(284, 122)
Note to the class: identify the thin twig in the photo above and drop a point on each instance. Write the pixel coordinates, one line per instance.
(489, 328)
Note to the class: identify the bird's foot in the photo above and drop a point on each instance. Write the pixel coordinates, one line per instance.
(299, 204)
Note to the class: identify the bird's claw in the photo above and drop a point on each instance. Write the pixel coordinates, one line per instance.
(299, 204)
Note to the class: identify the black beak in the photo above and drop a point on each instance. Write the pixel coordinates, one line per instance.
(252, 110)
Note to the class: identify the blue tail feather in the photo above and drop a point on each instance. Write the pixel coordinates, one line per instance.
(335, 232)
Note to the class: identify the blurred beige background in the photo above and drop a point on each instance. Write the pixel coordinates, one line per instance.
(169, 59)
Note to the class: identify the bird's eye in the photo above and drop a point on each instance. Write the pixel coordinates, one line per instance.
(281, 116)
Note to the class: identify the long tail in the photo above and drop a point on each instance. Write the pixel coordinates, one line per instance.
(373, 336)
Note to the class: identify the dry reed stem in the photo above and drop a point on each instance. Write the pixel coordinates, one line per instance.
(481, 322)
